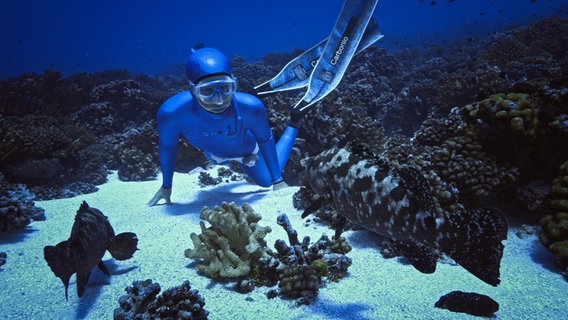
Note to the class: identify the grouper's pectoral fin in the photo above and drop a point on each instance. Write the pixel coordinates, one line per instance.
(82, 279)
(59, 262)
(123, 245)
(420, 256)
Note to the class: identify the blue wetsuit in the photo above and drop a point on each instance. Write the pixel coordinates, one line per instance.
(235, 133)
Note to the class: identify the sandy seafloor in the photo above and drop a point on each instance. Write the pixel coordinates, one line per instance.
(375, 288)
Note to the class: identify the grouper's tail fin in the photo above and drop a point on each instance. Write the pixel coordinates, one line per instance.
(474, 240)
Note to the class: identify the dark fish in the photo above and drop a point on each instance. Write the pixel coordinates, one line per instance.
(91, 236)
(468, 302)
(397, 204)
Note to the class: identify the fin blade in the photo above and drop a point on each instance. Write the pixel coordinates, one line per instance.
(339, 50)
(123, 245)
(296, 73)
(289, 77)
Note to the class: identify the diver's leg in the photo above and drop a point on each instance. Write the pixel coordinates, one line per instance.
(259, 172)
(285, 144)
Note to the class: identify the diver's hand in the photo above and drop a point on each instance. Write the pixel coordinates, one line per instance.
(250, 160)
(163, 193)
(279, 185)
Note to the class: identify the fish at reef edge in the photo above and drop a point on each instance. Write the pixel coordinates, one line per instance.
(90, 237)
(397, 204)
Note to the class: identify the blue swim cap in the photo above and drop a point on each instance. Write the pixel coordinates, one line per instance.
(205, 62)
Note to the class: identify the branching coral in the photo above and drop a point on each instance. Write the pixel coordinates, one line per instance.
(303, 265)
(231, 244)
(142, 302)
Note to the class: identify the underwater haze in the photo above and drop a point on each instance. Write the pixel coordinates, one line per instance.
(152, 36)
(427, 177)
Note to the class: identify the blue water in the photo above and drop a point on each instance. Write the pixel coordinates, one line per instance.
(150, 36)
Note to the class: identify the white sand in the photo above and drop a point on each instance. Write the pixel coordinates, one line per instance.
(375, 288)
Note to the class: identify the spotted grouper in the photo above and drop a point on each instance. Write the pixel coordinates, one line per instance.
(91, 236)
(397, 204)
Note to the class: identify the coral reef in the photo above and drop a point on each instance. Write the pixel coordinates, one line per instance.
(223, 175)
(138, 153)
(299, 282)
(60, 136)
(532, 51)
(231, 244)
(77, 128)
(17, 208)
(233, 247)
(142, 302)
(554, 234)
(479, 118)
(303, 266)
(205, 179)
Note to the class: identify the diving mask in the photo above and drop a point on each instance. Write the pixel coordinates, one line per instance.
(215, 93)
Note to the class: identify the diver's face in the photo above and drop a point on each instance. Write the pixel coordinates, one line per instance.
(214, 93)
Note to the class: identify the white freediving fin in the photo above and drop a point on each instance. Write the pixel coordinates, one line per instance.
(338, 52)
(296, 73)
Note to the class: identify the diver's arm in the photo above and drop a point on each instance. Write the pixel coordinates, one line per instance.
(256, 114)
(268, 151)
(169, 132)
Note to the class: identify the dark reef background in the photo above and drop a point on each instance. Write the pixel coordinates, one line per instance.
(485, 120)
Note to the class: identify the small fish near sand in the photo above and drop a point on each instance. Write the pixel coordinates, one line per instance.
(91, 236)
(397, 204)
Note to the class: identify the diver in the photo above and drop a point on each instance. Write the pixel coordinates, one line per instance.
(225, 124)
(233, 126)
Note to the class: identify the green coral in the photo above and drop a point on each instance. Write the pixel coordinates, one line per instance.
(231, 244)
(341, 246)
(514, 112)
(554, 234)
(320, 267)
